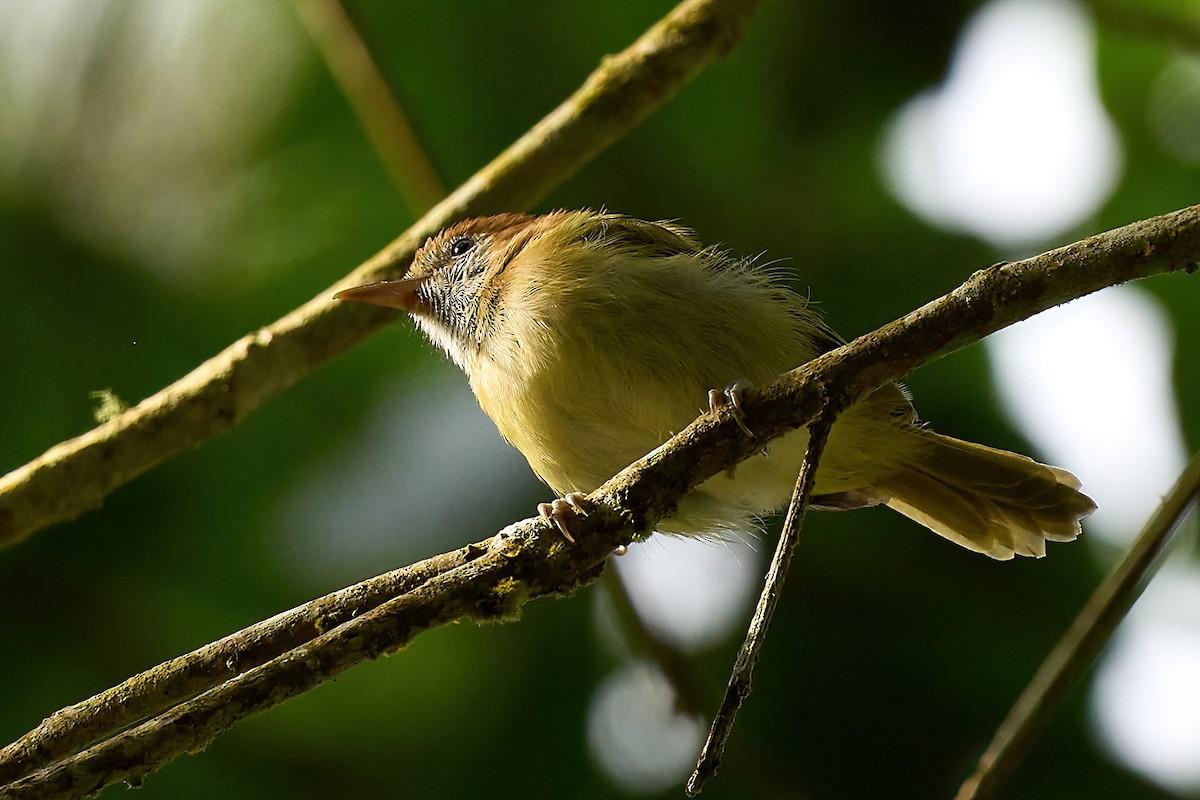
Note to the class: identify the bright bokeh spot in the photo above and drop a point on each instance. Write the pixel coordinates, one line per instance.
(635, 734)
(1146, 699)
(1015, 145)
(1173, 108)
(1090, 384)
(691, 592)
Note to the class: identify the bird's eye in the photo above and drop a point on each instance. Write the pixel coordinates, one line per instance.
(461, 246)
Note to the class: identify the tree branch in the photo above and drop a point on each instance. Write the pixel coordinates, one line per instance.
(76, 475)
(73, 728)
(529, 560)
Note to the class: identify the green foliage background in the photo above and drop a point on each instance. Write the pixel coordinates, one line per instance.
(894, 655)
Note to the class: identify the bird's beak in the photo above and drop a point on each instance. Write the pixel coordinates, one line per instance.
(400, 294)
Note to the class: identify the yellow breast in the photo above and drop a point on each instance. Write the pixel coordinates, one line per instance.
(596, 359)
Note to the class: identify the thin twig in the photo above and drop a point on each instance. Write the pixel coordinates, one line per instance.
(151, 692)
(522, 564)
(756, 635)
(76, 475)
(1079, 646)
(374, 102)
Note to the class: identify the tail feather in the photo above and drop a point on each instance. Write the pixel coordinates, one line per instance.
(987, 500)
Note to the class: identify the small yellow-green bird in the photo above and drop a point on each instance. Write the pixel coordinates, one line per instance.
(591, 338)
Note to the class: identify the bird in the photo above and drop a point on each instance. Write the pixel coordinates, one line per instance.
(590, 338)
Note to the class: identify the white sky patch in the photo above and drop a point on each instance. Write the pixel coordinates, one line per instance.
(1014, 146)
(1146, 697)
(691, 592)
(1090, 384)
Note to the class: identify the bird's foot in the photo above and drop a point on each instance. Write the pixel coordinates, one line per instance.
(731, 398)
(557, 512)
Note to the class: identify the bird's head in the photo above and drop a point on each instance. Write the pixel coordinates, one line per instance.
(483, 287)
(454, 286)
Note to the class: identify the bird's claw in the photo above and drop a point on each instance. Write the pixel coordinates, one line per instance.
(731, 398)
(556, 512)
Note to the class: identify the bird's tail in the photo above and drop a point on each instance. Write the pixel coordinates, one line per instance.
(991, 501)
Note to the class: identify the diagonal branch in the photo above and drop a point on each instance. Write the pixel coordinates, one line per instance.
(529, 560)
(492, 585)
(151, 692)
(76, 475)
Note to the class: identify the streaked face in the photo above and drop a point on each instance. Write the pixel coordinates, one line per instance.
(450, 289)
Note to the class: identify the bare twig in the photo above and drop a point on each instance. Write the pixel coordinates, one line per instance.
(374, 102)
(528, 560)
(1079, 646)
(756, 635)
(76, 475)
